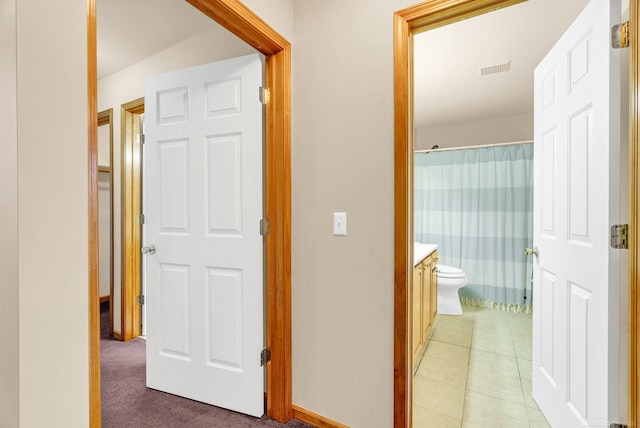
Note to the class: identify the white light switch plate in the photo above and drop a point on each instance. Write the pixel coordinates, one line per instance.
(339, 224)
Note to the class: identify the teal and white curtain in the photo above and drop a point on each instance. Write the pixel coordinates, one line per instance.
(477, 205)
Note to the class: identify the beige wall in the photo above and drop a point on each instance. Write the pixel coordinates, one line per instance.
(52, 209)
(277, 13)
(342, 160)
(128, 85)
(499, 130)
(9, 335)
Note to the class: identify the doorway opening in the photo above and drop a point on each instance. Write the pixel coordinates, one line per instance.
(250, 28)
(105, 208)
(131, 165)
(408, 22)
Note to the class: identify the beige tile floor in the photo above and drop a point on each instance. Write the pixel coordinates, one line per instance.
(475, 372)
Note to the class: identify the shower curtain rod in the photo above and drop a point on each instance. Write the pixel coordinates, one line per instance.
(446, 149)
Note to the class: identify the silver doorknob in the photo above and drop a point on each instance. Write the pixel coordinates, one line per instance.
(151, 249)
(530, 251)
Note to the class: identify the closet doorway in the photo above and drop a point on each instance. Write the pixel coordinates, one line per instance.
(105, 209)
(132, 118)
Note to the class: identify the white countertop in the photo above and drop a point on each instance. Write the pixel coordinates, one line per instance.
(420, 251)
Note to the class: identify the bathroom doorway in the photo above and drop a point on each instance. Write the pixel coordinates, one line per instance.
(455, 325)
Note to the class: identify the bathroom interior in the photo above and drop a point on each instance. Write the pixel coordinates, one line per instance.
(473, 215)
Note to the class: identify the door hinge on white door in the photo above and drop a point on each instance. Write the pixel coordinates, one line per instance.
(140, 299)
(264, 227)
(139, 138)
(620, 35)
(265, 357)
(140, 219)
(620, 236)
(264, 95)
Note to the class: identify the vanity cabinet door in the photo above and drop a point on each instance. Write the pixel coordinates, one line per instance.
(433, 272)
(416, 301)
(426, 297)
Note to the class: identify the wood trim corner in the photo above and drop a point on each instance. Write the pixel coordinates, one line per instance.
(315, 419)
(241, 21)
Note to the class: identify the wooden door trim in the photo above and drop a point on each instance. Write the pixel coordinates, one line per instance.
(432, 14)
(245, 24)
(130, 207)
(92, 211)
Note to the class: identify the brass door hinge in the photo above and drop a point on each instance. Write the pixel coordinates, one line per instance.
(620, 35)
(264, 95)
(265, 357)
(620, 236)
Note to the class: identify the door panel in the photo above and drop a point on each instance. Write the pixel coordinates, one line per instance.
(203, 206)
(576, 135)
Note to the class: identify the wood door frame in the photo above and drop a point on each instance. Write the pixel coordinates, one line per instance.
(422, 17)
(245, 24)
(130, 208)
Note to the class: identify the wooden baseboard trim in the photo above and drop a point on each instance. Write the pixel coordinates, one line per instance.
(105, 299)
(117, 335)
(315, 419)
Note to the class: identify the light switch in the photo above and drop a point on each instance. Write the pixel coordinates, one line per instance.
(339, 224)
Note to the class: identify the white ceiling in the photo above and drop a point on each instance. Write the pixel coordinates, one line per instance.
(447, 60)
(130, 31)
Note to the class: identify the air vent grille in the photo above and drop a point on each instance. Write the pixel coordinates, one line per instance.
(497, 68)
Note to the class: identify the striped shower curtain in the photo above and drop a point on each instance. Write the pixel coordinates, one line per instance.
(477, 205)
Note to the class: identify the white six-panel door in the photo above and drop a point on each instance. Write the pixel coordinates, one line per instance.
(203, 205)
(575, 201)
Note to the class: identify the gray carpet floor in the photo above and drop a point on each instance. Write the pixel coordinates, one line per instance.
(128, 403)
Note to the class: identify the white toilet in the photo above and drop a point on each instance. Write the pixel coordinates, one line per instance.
(450, 280)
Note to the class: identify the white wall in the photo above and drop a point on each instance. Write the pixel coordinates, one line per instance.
(128, 84)
(52, 213)
(342, 160)
(492, 131)
(9, 334)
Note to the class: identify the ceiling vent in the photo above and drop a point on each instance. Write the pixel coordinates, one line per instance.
(498, 68)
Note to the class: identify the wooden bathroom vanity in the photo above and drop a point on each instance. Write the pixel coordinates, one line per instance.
(424, 296)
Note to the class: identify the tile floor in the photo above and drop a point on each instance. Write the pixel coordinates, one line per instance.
(475, 372)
